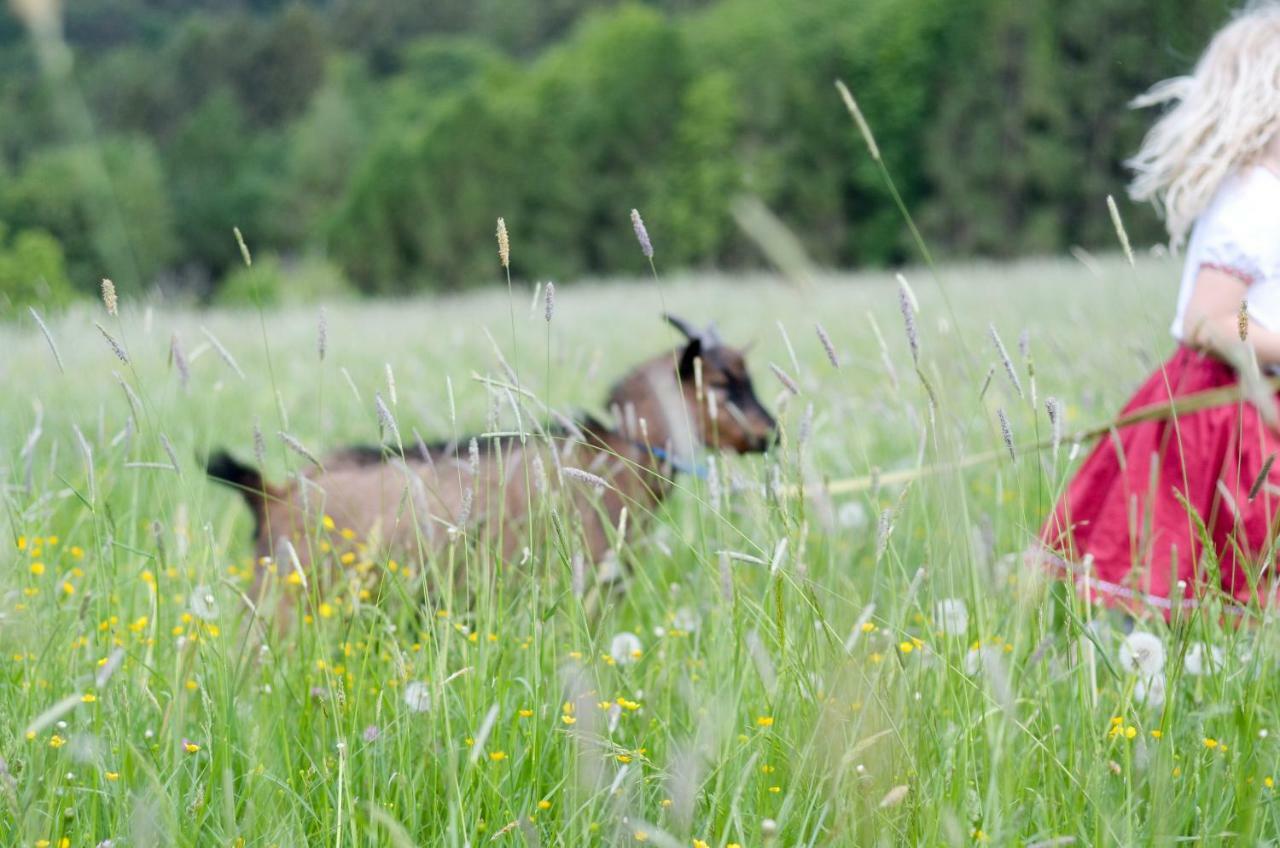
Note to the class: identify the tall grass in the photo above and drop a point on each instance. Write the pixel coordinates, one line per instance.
(876, 668)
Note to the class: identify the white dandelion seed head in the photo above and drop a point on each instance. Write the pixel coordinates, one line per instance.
(686, 619)
(1142, 653)
(951, 615)
(417, 696)
(625, 648)
(203, 603)
(1203, 659)
(978, 658)
(852, 515)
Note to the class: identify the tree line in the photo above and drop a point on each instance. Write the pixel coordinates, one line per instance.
(370, 144)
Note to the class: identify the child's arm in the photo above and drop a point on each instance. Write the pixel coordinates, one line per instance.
(1213, 315)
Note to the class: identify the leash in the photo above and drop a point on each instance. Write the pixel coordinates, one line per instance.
(1253, 392)
(663, 455)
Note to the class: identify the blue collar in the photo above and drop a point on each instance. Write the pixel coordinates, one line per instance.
(662, 455)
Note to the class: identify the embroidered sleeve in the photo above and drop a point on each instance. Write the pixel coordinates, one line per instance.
(1241, 235)
(1231, 257)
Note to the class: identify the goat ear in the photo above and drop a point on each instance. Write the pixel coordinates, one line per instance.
(686, 329)
(691, 351)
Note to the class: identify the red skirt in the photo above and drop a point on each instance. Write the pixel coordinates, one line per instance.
(1136, 514)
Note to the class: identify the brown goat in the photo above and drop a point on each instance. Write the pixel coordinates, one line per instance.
(413, 504)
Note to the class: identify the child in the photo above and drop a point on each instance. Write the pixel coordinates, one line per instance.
(1131, 516)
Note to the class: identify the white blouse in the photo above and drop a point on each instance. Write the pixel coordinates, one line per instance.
(1239, 233)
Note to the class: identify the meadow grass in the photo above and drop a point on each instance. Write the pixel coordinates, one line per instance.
(874, 668)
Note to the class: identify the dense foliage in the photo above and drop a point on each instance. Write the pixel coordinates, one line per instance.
(387, 135)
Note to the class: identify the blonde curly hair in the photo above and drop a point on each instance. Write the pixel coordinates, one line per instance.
(1221, 118)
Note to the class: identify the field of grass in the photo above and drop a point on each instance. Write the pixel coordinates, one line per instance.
(817, 687)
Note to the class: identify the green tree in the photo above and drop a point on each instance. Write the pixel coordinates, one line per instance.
(32, 271)
(219, 176)
(105, 204)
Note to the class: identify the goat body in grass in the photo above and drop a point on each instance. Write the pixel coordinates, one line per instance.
(414, 503)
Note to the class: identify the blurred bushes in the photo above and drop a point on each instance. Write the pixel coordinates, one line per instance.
(273, 281)
(32, 271)
(389, 135)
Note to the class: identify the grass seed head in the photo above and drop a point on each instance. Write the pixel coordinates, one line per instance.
(1006, 432)
(827, 345)
(856, 113)
(1004, 358)
(642, 234)
(115, 345)
(504, 244)
(48, 337)
(109, 296)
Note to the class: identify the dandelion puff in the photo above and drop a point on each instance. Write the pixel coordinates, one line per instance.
(504, 244)
(642, 234)
(109, 299)
(179, 360)
(856, 113)
(259, 445)
(48, 337)
(686, 619)
(115, 345)
(169, 451)
(1006, 432)
(417, 696)
(203, 603)
(951, 615)
(625, 648)
(322, 334)
(909, 323)
(827, 345)
(223, 352)
(549, 301)
(852, 515)
(244, 248)
(298, 448)
(598, 483)
(1004, 358)
(784, 378)
(1119, 225)
(371, 733)
(1203, 659)
(1142, 653)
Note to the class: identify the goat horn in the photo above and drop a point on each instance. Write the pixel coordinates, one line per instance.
(685, 328)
